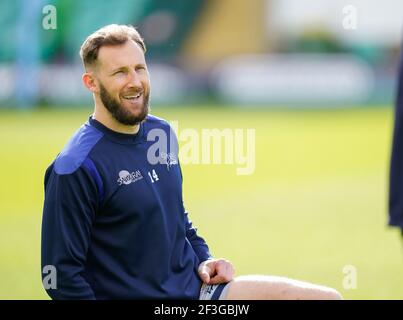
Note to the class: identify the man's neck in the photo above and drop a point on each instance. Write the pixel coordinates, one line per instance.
(103, 116)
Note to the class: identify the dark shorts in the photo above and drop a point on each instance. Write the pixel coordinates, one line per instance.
(213, 291)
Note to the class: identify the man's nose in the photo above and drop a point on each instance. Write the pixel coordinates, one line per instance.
(134, 79)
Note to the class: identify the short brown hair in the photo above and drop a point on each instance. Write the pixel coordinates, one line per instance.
(110, 35)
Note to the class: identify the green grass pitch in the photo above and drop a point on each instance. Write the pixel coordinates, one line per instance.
(317, 201)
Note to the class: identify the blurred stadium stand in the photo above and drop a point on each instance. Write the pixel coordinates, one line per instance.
(264, 52)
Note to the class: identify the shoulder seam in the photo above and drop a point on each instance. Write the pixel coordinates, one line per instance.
(76, 150)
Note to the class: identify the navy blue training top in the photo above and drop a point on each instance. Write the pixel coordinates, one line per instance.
(114, 224)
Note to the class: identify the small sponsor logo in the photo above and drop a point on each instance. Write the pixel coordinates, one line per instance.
(209, 289)
(169, 159)
(125, 177)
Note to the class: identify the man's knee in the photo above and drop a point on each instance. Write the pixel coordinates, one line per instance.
(333, 294)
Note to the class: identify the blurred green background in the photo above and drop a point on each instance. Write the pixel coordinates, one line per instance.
(315, 203)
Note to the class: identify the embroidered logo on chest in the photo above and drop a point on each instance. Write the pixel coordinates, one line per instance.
(125, 177)
(169, 159)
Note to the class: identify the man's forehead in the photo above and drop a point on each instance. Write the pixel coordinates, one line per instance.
(116, 56)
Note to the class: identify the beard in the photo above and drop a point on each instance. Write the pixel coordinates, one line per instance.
(122, 114)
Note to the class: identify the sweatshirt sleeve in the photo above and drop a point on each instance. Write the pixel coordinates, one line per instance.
(199, 245)
(69, 209)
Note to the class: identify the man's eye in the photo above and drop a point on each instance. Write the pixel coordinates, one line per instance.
(118, 72)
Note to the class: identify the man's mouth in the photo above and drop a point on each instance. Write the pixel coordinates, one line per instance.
(132, 97)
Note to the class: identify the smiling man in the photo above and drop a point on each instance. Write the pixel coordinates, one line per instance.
(114, 225)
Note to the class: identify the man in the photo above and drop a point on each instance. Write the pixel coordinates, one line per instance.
(114, 224)
(396, 165)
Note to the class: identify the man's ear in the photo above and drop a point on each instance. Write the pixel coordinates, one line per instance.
(90, 82)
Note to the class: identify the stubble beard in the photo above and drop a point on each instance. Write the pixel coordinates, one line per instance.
(119, 112)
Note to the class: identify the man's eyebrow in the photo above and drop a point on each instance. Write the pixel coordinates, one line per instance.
(117, 69)
(125, 67)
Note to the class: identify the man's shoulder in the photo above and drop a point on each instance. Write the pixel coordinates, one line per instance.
(77, 149)
(156, 122)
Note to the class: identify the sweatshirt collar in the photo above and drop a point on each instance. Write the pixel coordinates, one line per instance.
(123, 138)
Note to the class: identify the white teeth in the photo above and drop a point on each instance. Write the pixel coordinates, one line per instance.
(132, 97)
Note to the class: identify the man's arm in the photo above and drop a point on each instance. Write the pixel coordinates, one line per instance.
(211, 271)
(199, 245)
(69, 209)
